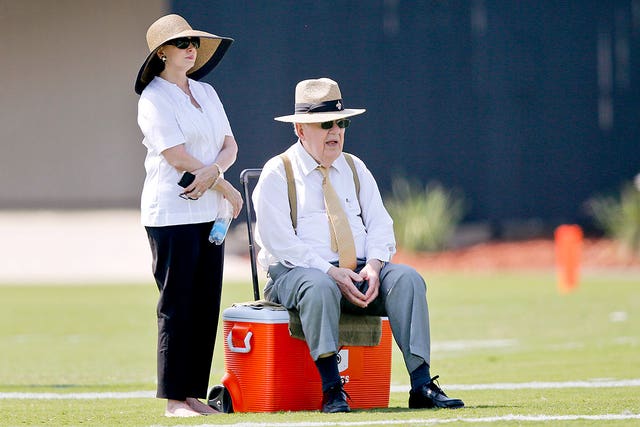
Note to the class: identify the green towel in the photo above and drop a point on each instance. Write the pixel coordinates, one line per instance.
(260, 304)
(355, 329)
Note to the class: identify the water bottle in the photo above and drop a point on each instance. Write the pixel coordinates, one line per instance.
(221, 224)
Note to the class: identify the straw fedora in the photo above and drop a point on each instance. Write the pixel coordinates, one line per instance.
(318, 100)
(169, 27)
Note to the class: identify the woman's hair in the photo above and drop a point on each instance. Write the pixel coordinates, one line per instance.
(156, 66)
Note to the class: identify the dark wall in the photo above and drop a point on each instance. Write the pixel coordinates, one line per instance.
(529, 108)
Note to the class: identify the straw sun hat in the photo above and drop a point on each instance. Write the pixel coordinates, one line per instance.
(318, 100)
(170, 27)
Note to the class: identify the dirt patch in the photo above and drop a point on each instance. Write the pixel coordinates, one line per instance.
(531, 254)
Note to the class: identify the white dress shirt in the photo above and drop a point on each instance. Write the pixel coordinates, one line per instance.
(310, 244)
(167, 118)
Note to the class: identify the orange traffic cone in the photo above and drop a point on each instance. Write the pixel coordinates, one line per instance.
(568, 240)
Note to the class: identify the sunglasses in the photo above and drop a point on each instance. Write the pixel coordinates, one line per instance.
(342, 123)
(184, 42)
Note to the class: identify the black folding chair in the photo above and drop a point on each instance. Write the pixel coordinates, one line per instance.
(245, 180)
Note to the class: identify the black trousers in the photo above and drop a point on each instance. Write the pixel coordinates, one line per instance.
(188, 272)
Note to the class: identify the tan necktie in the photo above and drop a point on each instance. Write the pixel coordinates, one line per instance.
(341, 235)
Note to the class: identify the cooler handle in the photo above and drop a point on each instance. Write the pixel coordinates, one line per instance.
(247, 343)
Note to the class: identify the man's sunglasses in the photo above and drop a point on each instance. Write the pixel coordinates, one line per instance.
(184, 42)
(342, 123)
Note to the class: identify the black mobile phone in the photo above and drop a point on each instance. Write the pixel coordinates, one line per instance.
(186, 180)
(362, 286)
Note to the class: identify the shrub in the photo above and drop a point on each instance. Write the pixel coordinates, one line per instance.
(426, 217)
(619, 216)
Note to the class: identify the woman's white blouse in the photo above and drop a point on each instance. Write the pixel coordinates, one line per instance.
(167, 118)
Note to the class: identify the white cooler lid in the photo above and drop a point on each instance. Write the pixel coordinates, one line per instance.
(243, 313)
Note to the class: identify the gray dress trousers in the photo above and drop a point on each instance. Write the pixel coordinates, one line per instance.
(315, 295)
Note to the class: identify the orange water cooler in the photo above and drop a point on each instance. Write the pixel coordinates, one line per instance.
(267, 370)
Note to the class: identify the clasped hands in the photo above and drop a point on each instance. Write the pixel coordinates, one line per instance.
(346, 280)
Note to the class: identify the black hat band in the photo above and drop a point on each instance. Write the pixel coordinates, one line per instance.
(322, 107)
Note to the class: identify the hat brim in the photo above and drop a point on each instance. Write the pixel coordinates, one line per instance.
(212, 49)
(320, 117)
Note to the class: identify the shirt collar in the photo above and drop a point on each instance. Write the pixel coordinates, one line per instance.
(174, 89)
(309, 164)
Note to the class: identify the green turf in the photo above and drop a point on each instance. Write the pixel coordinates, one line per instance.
(70, 339)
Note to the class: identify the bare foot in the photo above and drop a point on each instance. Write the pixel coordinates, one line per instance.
(201, 408)
(176, 408)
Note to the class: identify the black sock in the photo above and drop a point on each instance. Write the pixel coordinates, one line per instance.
(419, 377)
(328, 369)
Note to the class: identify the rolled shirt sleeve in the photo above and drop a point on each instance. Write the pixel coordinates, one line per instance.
(158, 124)
(274, 231)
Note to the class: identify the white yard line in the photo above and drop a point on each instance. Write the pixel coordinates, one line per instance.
(463, 345)
(80, 396)
(533, 385)
(394, 389)
(434, 421)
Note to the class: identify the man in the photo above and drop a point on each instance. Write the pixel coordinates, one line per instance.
(326, 258)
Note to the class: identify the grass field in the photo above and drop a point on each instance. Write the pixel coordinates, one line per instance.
(508, 344)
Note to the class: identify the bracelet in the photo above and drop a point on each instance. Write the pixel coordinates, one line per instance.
(220, 175)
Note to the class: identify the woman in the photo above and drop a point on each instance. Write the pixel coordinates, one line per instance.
(185, 130)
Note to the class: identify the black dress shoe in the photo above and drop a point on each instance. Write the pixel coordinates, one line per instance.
(432, 396)
(335, 400)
